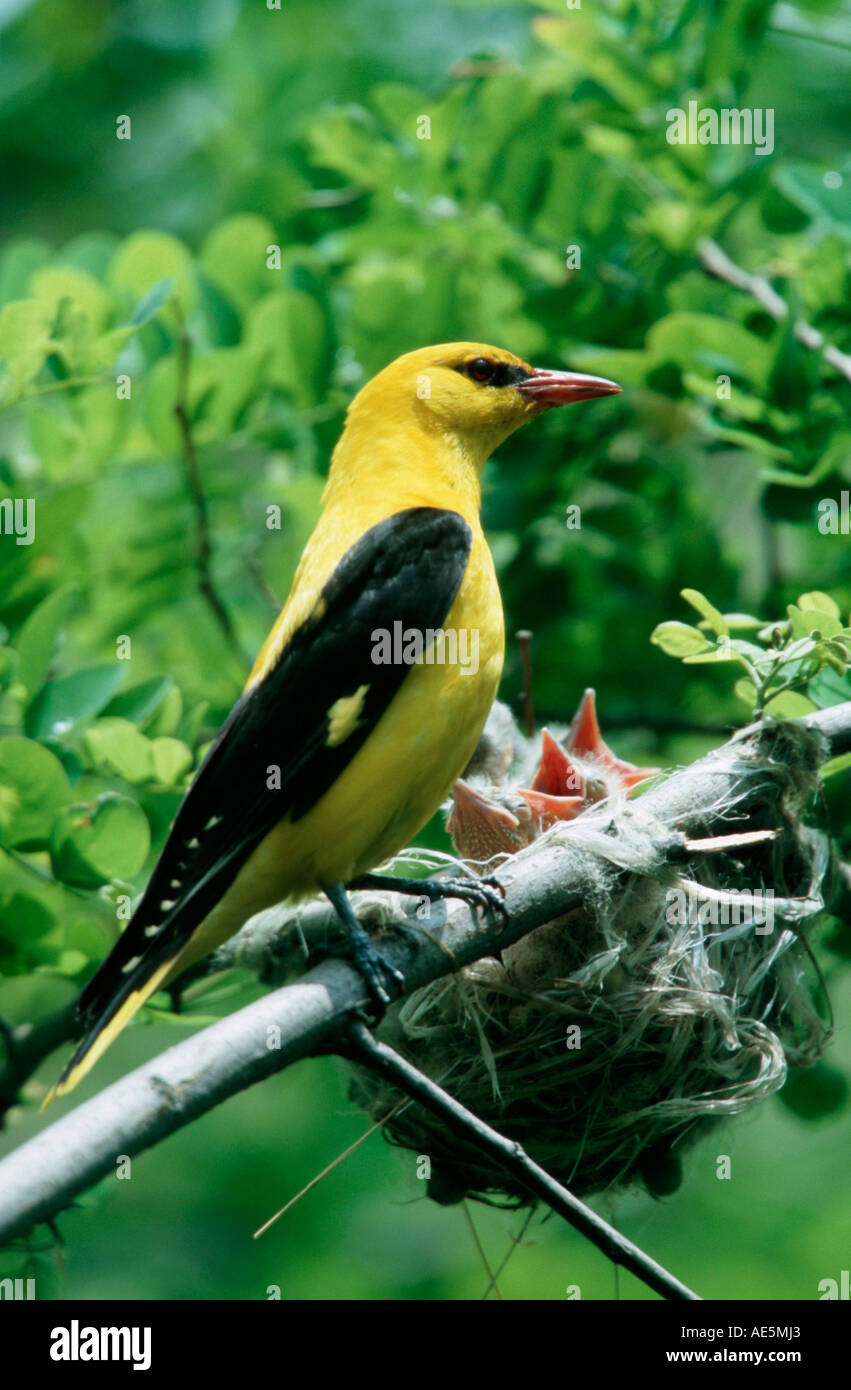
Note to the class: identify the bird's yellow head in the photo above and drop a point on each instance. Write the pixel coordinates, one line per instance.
(468, 394)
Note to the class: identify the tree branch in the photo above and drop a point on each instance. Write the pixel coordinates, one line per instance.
(541, 883)
(716, 262)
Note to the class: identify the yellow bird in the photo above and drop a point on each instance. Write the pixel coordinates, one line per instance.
(369, 695)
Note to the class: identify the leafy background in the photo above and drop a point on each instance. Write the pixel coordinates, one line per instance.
(298, 128)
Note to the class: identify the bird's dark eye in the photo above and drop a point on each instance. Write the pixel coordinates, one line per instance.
(490, 373)
(481, 369)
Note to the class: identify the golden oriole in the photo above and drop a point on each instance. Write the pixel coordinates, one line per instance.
(349, 733)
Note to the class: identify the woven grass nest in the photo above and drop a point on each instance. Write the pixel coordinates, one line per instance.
(681, 1022)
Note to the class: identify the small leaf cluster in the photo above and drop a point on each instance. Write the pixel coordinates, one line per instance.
(788, 664)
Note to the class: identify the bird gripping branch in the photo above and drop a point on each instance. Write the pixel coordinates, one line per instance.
(334, 756)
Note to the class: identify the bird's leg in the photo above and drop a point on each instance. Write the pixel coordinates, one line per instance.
(485, 893)
(381, 979)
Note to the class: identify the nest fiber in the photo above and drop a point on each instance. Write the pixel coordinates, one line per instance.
(608, 1041)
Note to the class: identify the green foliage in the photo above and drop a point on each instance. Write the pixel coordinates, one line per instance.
(97, 841)
(280, 225)
(785, 672)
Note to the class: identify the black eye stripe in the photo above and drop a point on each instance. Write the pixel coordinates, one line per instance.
(499, 374)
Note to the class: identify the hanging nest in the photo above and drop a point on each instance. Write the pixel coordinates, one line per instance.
(607, 1042)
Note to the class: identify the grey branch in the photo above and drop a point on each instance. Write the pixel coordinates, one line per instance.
(718, 263)
(541, 883)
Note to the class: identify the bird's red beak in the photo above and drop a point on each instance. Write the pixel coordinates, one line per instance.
(549, 388)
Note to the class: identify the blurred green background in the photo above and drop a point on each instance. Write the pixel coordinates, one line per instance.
(300, 128)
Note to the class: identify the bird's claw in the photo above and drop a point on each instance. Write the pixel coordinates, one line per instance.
(497, 896)
(487, 893)
(383, 981)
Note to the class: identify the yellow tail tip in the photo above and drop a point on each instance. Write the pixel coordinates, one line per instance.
(66, 1083)
(49, 1098)
(83, 1060)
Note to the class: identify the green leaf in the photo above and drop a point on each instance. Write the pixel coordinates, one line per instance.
(290, 331)
(742, 622)
(815, 1092)
(627, 366)
(724, 651)
(33, 785)
(752, 443)
(830, 769)
(70, 963)
(751, 652)
(38, 638)
(96, 841)
(678, 639)
(56, 283)
(789, 705)
(833, 457)
(172, 760)
(61, 704)
(117, 745)
(25, 341)
(818, 602)
(20, 259)
(703, 340)
(221, 385)
(8, 669)
(148, 305)
(23, 918)
(834, 655)
(799, 624)
(796, 651)
(803, 184)
(103, 351)
(166, 720)
(234, 258)
(706, 610)
(810, 620)
(87, 936)
(145, 259)
(828, 688)
(745, 689)
(139, 702)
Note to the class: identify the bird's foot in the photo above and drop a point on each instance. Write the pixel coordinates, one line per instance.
(486, 893)
(383, 981)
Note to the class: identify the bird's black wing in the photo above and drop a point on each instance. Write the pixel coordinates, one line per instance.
(273, 755)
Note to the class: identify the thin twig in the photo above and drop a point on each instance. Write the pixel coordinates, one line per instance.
(329, 1168)
(515, 1242)
(359, 1044)
(255, 570)
(524, 641)
(204, 547)
(720, 844)
(471, 1226)
(718, 263)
